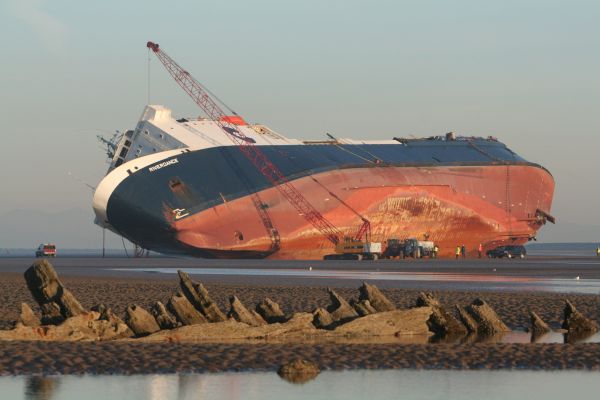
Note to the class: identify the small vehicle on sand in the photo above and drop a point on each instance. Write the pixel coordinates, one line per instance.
(46, 250)
(409, 248)
(419, 248)
(394, 248)
(508, 252)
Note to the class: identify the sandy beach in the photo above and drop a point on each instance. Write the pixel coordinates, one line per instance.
(26, 358)
(118, 293)
(131, 357)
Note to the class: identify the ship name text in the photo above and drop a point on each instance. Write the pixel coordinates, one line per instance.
(163, 164)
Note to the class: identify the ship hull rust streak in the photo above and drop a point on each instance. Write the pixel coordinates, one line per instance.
(180, 187)
(453, 205)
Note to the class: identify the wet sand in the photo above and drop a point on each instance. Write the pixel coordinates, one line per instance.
(128, 358)
(118, 293)
(26, 358)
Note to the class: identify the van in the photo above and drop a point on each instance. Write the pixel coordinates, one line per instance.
(46, 250)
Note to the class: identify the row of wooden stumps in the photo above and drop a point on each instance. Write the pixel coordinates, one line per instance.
(192, 305)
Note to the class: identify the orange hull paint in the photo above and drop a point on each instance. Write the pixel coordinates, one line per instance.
(454, 205)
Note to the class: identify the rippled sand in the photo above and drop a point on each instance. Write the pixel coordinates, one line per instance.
(48, 358)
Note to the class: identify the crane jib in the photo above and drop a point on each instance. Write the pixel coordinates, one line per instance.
(247, 146)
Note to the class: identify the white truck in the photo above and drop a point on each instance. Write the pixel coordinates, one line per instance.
(419, 248)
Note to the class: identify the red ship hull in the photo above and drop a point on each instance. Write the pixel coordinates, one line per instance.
(454, 205)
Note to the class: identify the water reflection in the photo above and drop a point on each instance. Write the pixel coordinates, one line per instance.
(40, 387)
(159, 387)
(517, 337)
(347, 385)
(188, 385)
(456, 281)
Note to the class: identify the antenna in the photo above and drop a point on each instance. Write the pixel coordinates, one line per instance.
(80, 180)
(330, 136)
(110, 145)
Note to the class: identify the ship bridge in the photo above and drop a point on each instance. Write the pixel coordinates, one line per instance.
(158, 131)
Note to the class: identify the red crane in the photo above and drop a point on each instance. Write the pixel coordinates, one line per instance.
(246, 145)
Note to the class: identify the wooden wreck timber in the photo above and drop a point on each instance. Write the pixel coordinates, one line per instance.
(56, 302)
(270, 311)
(538, 326)
(441, 322)
(86, 326)
(299, 371)
(192, 316)
(575, 323)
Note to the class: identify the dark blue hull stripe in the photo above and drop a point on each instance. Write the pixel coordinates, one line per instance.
(203, 179)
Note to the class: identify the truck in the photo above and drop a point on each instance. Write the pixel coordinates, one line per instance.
(394, 248)
(409, 248)
(419, 248)
(46, 250)
(353, 249)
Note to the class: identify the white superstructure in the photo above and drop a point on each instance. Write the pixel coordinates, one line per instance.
(158, 131)
(158, 136)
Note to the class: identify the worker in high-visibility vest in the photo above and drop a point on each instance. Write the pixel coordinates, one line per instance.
(457, 252)
(598, 251)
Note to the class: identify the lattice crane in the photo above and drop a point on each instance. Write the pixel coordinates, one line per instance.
(252, 152)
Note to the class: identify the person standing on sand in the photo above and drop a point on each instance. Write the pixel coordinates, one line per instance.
(457, 251)
(480, 250)
(463, 251)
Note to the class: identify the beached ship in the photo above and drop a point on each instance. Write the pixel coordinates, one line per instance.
(181, 186)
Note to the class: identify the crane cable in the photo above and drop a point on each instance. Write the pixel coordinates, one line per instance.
(148, 80)
(201, 85)
(338, 143)
(216, 97)
(124, 247)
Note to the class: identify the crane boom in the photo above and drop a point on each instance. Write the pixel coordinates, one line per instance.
(365, 228)
(246, 145)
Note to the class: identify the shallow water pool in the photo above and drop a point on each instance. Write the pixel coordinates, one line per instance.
(433, 280)
(329, 385)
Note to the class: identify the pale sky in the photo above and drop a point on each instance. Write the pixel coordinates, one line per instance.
(524, 71)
